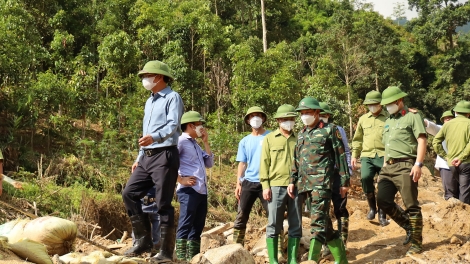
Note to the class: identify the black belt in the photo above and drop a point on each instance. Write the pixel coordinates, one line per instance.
(393, 161)
(151, 152)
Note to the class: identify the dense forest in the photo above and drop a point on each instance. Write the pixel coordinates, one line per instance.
(71, 104)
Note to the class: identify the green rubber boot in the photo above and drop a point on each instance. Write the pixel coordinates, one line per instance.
(181, 249)
(194, 247)
(338, 251)
(292, 249)
(272, 246)
(315, 250)
(416, 223)
(239, 236)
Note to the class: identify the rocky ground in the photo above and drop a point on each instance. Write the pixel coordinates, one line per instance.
(446, 232)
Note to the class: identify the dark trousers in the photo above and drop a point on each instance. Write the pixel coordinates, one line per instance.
(369, 168)
(160, 170)
(339, 204)
(449, 183)
(250, 192)
(396, 178)
(462, 174)
(193, 211)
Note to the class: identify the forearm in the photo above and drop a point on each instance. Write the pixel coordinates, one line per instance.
(421, 151)
(241, 171)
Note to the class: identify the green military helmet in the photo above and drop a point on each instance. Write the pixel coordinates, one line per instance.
(255, 109)
(325, 109)
(308, 103)
(373, 97)
(462, 107)
(191, 116)
(156, 67)
(285, 110)
(446, 114)
(391, 94)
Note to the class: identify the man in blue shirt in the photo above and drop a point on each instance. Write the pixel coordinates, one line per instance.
(192, 185)
(157, 163)
(248, 187)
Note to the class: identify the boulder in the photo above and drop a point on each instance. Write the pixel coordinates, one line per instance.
(233, 253)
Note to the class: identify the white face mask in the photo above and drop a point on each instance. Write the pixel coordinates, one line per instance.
(374, 108)
(256, 122)
(287, 125)
(307, 119)
(392, 108)
(199, 130)
(148, 82)
(324, 119)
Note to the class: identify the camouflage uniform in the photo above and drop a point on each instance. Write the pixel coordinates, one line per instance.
(318, 151)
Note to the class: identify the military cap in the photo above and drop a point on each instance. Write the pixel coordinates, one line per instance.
(373, 97)
(446, 114)
(255, 109)
(308, 103)
(462, 107)
(325, 109)
(156, 67)
(391, 94)
(191, 116)
(285, 110)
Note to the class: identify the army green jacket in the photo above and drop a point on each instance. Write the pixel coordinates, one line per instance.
(456, 133)
(317, 152)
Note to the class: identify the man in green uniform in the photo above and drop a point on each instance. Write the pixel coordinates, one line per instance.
(274, 173)
(404, 138)
(456, 133)
(367, 143)
(318, 154)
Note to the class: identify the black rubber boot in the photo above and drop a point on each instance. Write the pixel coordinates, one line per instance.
(383, 218)
(167, 239)
(142, 233)
(372, 206)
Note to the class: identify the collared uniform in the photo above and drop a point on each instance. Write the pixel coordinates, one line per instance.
(367, 144)
(158, 162)
(449, 183)
(192, 199)
(456, 133)
(318, 151)
(274, 173)
(400, 136)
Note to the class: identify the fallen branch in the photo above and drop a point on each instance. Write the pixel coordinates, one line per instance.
(105, 237)
(16, 184)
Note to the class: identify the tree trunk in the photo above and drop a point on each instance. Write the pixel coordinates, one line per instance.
(263, 23)
(349, 109)
(377, 81)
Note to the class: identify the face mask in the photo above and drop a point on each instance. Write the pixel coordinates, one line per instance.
(324, 119)
(148, 82)
(392, 108)
(256, 122)
(374, 108)
(307, 119)
(287, 125)
(198, 131)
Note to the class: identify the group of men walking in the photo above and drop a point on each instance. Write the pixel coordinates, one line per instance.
(286, 170)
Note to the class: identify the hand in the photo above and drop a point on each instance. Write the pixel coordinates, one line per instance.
(456, 162)
(416, 173)
(188, 181)
(134, 166)
(238, 191)
(413, 110)
(343, 191)
(145, 140)
(204, 135)
(354, 163)
(290, 190)
(267, 194)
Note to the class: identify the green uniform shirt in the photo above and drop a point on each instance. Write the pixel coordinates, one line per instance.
(456, 133)
(318, 153)
(400, 134)
(276, 159)
(367, 140)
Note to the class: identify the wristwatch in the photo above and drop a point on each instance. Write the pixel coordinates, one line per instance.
(420, 164)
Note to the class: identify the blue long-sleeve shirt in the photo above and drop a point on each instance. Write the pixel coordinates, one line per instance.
(193, 162)
(162, 117)
(347, 150)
